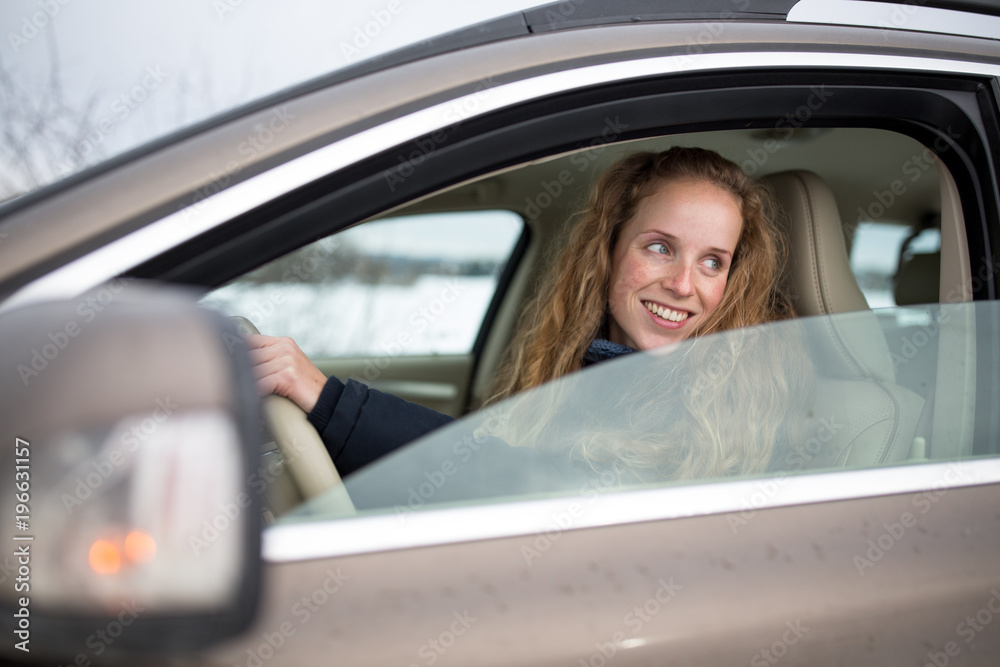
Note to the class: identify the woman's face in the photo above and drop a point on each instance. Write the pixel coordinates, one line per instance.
(671, 262)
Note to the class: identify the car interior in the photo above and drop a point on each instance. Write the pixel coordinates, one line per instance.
(832, 184)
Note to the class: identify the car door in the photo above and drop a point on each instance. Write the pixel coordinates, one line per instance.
(827, 565)
(823, 565)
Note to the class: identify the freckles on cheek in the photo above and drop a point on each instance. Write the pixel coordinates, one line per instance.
(715, 294)
(631, 276)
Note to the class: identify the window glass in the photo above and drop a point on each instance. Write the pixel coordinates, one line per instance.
(875, 261)
(791, 397)
(415, 285)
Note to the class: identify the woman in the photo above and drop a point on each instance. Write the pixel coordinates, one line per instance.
(672, 245)
(601, 277)
(694, 250)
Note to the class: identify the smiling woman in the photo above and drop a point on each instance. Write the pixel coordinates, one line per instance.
(671, 263)
(671, 245)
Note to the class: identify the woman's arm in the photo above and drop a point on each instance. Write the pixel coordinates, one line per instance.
(357, 424)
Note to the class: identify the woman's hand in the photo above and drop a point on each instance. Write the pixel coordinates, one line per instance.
(283, 369)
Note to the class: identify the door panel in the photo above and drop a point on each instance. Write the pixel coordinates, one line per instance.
(837, 583)
(439, 382)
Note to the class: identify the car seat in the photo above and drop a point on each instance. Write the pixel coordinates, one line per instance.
(860, 416)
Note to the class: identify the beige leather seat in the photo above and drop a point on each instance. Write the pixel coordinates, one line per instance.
(861, 417)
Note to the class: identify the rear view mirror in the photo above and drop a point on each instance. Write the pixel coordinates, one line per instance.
(127, 435)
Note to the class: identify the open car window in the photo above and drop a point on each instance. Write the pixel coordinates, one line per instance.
(409, 285)
(809, 395)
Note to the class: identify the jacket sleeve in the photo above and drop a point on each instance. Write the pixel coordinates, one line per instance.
(359, 425)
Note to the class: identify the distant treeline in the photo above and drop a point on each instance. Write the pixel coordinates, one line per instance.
(332, 261)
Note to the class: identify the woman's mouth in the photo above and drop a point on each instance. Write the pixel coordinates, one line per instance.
(665, 313)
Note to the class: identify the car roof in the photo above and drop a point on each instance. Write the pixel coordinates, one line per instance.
(553, 17)
(180, 161)
(573, 14)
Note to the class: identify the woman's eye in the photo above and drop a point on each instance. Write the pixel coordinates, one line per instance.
(660, 248)
(714, 264)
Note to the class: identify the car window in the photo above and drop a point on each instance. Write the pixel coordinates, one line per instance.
(415, 285)
(890, 263)
(793, 397)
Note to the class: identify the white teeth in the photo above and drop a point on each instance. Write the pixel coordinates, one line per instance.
(666, 313)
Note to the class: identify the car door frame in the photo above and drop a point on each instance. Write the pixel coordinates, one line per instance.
(594, 572)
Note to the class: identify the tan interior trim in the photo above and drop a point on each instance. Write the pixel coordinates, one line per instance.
(504, 323)
(956, 272)
(955, 394)
(436, 381)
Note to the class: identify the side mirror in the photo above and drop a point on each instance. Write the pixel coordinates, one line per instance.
(128, 432)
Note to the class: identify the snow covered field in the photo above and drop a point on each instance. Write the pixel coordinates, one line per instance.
(435, 315)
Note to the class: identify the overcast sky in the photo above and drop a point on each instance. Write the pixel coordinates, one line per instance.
(186, 59)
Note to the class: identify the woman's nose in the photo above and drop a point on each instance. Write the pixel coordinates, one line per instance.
(678, 280)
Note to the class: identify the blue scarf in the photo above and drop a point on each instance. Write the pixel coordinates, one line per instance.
(602, 350)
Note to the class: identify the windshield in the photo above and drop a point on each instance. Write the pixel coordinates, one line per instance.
(857, 390)
(83, 82)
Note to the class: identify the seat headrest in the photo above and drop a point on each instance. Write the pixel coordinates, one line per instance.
(819, 274)
(819, 279)
(919, 279)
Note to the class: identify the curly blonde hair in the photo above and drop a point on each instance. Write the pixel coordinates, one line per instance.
(570, 307)
(718, 406)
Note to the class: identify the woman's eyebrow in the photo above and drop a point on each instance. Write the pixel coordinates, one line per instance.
(720, 251)
(673, 239)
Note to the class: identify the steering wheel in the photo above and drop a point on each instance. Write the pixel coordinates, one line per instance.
(305, 456)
